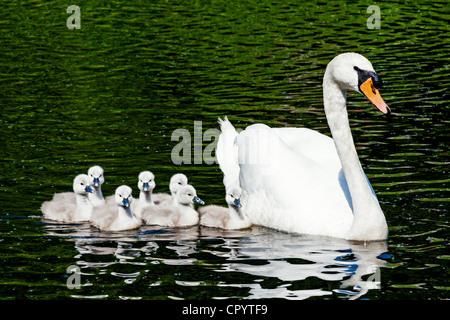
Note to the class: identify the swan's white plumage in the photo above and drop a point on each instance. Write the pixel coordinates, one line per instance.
(70, 206)
(117, 216)
(227, 153)
(298, 180)
(181, 214)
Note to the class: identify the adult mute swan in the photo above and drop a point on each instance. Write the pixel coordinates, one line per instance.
(298, 180)
(225, 218)
(181, 214)
(118, 216)
(68, 206)
(95, 173)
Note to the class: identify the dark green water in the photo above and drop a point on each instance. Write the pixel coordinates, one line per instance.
(113, 92)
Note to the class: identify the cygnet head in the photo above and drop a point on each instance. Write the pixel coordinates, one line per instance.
(352, 71)
(96, 175)
(146, 181)
(187, 195)
(123, 196)
(177, 181)
(82, 184)
(233, 197)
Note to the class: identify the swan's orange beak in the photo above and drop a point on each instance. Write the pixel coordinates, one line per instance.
(372, 93)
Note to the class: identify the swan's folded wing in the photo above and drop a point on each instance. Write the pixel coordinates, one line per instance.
(103, 217)
(58, 211)
(214, 216)
(65, 197)
(162, 198)
(159, 215)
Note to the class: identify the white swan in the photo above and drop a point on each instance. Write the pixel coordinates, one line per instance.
(146, 184)
(117, 217)
(225, 218)
(298, 180)
(168, 214)
(177, 181)
(95, 173)
(71, 206)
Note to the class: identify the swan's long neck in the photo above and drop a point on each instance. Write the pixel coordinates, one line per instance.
(96, 198)
(98, 193)
(145, 198)
(124, 213)
(368, 217)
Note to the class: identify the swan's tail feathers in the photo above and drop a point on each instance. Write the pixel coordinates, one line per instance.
(227, 152)
(225, 124)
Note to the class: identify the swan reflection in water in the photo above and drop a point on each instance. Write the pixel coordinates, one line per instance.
(257, 251)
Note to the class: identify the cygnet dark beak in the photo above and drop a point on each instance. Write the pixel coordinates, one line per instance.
(198, 200)
(126, 202)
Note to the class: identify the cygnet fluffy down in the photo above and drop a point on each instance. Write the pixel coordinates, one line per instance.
(181, 214)
(118, 216)
(95, 173)
(146, 184)
(176, 182)
(71, 206)
(225, 218)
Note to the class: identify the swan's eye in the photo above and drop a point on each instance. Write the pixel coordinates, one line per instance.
(120, 195)
(190, 194)
(82, 183)
(179, 183)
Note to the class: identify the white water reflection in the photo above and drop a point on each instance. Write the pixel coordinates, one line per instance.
(292, 260)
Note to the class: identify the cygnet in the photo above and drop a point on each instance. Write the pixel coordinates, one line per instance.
(146, 184)
(118, 216)
(225, 218)
(95, 173)
(176, 182)
(71, 206)
(168, 214)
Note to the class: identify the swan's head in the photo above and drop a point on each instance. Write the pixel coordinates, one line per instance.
(177, 181)
(96, 175)
(352, 71)
(146, 181)
(123, 196)
(233, 197)
(82, 184)
(187, 195)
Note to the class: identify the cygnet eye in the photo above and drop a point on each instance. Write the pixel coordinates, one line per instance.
(82, 183)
